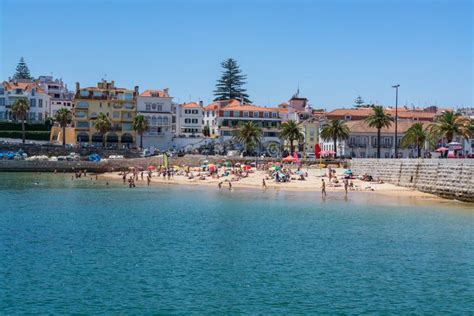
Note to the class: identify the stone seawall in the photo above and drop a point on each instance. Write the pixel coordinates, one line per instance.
(447, 178)
(114, 165)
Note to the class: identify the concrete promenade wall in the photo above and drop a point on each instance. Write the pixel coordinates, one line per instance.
(448, 178)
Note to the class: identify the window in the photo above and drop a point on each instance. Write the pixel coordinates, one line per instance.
(226, 113)
(97, 93)
(274, 114)
(159, 121)
(128, 96)
(32, 116)
(186, 121)
(266, 115)
(32, 103)
(80, 114)
(40, 103)
(82, 105)
(255, 114)
(116, 114)
(84, 93)
(93, 115)
(246, 114)
(148, 106)
(2, 91)
(40, 116)
(82, 124)
(127, 127)
(236, 114)
(165, 120)
(33, 92)
(2, 101)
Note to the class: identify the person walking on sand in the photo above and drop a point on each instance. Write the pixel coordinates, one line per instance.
(264, 183)
(148, 180)
(141, 174)
(323, 188)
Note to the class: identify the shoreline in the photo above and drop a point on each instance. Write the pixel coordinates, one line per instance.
(311, 185)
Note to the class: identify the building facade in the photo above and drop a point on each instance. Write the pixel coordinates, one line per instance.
(362, 142)
(119, 104)
(189, 120)
(38, 100)
(157, 107)
(61, 97)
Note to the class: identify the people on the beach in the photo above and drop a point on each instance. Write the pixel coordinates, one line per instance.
(230, 185)
(346, 185)
(323, 188)
(264, 184)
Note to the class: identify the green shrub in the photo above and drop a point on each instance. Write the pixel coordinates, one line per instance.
(28, 135)
(10, 126)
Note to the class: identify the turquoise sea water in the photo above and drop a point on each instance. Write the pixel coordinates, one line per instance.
(83, 247)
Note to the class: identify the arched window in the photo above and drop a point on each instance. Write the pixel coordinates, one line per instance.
(160, 120)
(153, 121)
(165, 120)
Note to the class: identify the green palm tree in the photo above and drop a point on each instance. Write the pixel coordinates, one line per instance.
(449, 125)
(416, 135)
(335, 130)
(140, 125)
(20, 109)
(379, 119)
(102, 125)
(291, 132)
(63, 117)
(249, 135)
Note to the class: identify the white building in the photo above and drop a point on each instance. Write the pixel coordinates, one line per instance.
(37, 98)
(157, 107)
(189, 120)
(61, 97)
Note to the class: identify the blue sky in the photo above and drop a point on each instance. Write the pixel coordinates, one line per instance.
(333, 50)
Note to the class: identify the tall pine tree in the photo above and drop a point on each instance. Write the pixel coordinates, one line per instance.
(230, 86)
(22, 71)
(359, 102)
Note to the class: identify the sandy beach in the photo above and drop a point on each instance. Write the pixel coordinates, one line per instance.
(312, 183)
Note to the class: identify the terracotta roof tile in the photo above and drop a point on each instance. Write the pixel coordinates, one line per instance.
(158, 93)
(192, 105)
(362, 127)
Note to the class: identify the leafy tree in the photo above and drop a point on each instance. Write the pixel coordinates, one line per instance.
(416, 135)
(206, 131)
(335, 130)
(230, 86)
(20, 109)
(102, 125)
(291, 132)
(379, 119)
(449, 125)
(63, 117)
(140, 125)
(358, 102)
(249, 135)
(22, 71)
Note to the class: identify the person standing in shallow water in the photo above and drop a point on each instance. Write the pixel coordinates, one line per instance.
(346, 185)
(323, 188)
(264, 183)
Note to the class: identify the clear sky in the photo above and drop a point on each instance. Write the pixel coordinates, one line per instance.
(333, 50)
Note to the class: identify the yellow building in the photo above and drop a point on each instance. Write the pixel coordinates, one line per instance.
(119, 104)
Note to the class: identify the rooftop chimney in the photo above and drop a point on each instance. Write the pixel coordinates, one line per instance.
(77, 86)
(200, 103)
(136, 90)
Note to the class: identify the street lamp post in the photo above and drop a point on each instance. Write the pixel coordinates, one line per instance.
(396, 119)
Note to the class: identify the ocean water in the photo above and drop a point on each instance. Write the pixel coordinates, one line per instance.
(83, 247)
